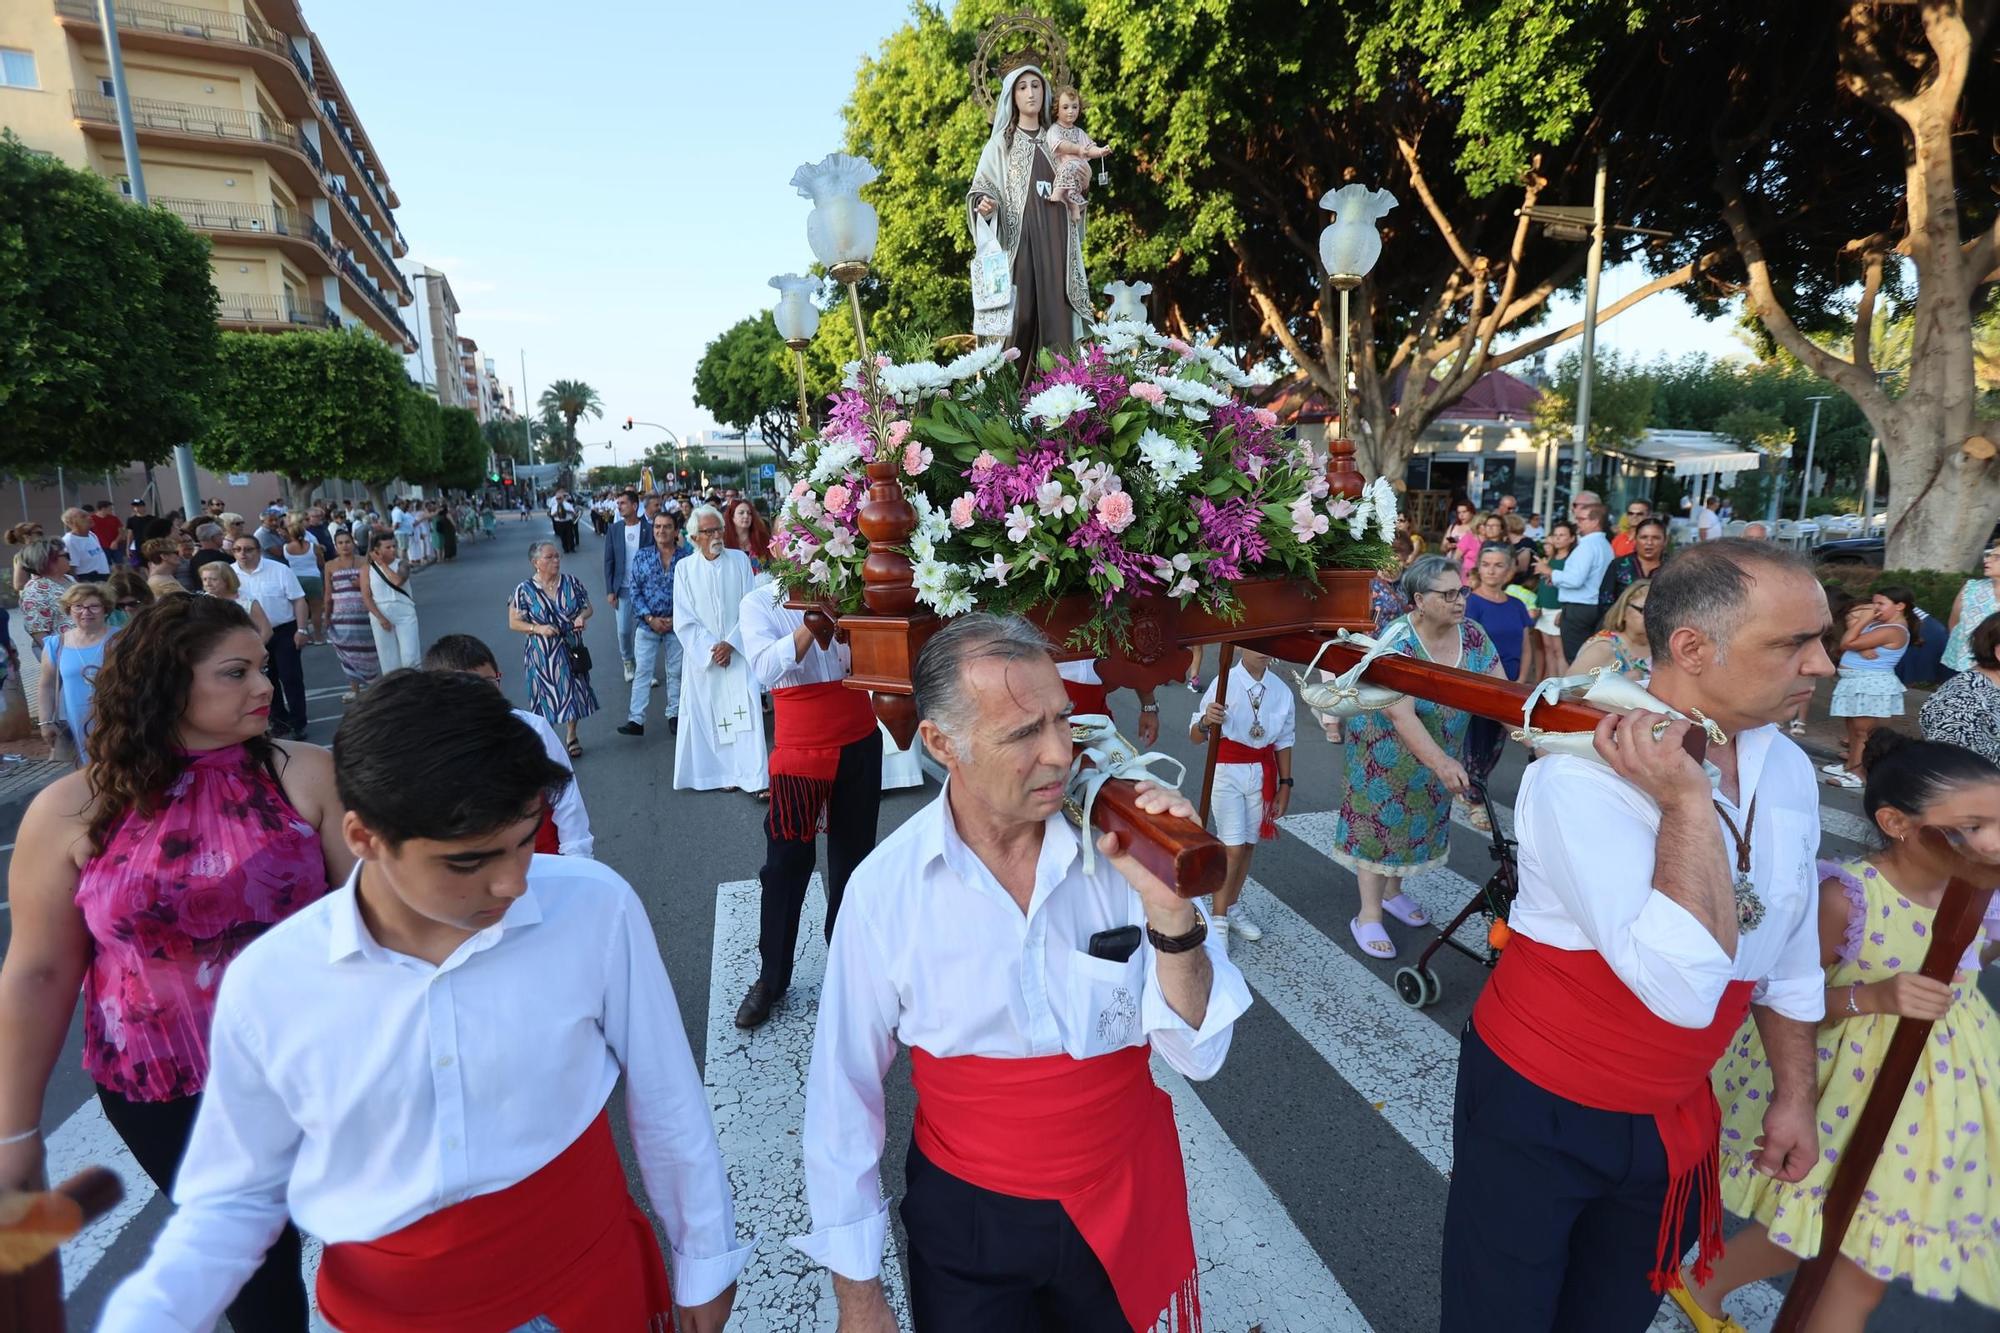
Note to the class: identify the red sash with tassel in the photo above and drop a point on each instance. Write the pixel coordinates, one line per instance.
(1563, 1020)
(1095, 1135)
(1265, 757)
(567, 1242)
(814, 723)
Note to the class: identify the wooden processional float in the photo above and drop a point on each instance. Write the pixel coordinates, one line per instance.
(32, 1227)
(1295, 622)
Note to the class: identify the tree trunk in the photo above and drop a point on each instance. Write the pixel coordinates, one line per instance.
(1941, 503)
(379, 497)
(299, 492)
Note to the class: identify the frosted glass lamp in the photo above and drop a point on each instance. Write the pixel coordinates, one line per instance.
(1128, 300)
(1350, 247)
(842, 226)
(796, 315)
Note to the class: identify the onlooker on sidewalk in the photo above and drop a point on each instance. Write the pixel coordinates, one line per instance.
(277, 590)
(1580, 577)
(1877, 635)
(392, 609)
(629, 537)
(650, 595)
(1965, 710)
(86, 554)
(1977, 600)
(47, 565)
(71, 659)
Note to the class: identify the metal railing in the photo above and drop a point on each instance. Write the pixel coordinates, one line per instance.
(258, 308)
(330, 116)
(211, 25)
(375, 242)
(372, 292)
(188, 118)
(214, 215)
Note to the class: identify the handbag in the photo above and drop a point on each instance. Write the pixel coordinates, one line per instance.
(579, 653)
(992, 274)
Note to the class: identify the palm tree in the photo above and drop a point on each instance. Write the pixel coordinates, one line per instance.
(571, 400)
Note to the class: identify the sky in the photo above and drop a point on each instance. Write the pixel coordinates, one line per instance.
(607, 186)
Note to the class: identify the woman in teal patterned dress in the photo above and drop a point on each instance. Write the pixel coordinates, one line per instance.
(1403, 763)
(552, 608)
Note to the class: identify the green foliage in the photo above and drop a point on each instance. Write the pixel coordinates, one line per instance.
(746, 381)
(1621, 401)
(306, 406)
(422, 439)
(462, 448)
(107, 321)
(1936, 589)
(565, 402)
(507, 439)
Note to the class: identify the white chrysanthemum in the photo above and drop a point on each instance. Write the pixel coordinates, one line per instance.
(1171, 463)
(918, 379)
(850, 375)
(1385, 508)
(1190, 391)
(956, 602)
(1263, 374)
(1058, 403)
(976, 362)
(922, 548)
(932, 522)
(836, 457)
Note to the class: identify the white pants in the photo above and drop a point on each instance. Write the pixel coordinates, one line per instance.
(1237, 805)
(647, 649)
(401, 646)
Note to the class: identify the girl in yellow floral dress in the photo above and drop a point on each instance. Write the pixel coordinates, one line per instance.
(1931, 1213)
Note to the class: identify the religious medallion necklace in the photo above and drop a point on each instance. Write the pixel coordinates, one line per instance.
(1749, 907)
(1256, 697)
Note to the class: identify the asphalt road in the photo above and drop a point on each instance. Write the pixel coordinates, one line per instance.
(1316, 1158)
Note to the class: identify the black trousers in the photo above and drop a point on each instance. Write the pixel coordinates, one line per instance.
(982, 1262)
(566, 533)
(1554, 1211)
(788, 863)
(274, 1299)
(1579, 621)
(287, 671)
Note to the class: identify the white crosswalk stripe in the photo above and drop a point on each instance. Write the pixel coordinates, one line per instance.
(87, 1139)
(757, 1087)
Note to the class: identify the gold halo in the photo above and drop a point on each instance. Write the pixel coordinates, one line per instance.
(1014, 40)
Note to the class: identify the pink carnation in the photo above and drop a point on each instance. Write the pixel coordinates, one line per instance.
(838, 499)
(1149, 393)
(1177, 345)
(1265, 416)
(985, 463)
(1114, 510)
(799, 489)
(894, 434)
(961, 512)
(916, 459)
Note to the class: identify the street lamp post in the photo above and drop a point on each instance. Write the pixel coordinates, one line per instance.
(797, 319)
(1812, 438)
(842, 227)
(1348, 249)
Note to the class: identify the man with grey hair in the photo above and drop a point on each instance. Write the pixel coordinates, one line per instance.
(208, 536)
(1582, 575)
(1756, 532)
(1044, 1185)
(1662, 898)
(720, 742)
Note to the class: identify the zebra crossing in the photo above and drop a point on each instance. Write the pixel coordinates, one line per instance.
(1260, 1270)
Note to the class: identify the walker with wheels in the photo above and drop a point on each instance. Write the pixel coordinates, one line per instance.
(1416, 985)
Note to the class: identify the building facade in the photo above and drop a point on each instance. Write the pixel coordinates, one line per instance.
(245, 133)
(434, 363)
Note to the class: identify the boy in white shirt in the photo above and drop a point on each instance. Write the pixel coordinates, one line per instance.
(1253, 775)
(416, 1067)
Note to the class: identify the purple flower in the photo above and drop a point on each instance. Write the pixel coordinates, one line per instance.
(1230, 530)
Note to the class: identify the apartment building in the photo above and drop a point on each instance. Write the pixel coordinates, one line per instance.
(434, 363)
(244, 131)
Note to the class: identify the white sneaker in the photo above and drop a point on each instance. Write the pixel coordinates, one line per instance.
(631, 671)
(1240, 922)
(1834, 769)
(1851, 781)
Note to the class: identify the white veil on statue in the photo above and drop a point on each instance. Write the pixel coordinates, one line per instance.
(990, 177)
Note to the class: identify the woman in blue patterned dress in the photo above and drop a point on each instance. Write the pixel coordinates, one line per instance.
(552, 608)
(1403, 763)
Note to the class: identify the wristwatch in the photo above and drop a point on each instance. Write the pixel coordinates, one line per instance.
(1179, 943)
(1285, 782)
(1149, 708)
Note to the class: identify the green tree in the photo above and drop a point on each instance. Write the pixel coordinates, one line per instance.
(462, 449)
(306, 406)
(567, 401)
(108, 342)
(506, 439)
(746, 380)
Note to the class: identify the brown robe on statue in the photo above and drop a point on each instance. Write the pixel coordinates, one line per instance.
(1042, 315)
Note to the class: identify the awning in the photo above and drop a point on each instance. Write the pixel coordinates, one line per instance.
(1691, 457)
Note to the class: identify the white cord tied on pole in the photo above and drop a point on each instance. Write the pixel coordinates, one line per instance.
(1107, 755)
(1345, 695)
(1605, 688)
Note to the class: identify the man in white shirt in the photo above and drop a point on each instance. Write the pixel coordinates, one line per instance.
(1661, 900)
(720, 742)
(826, 772)
(562, 516)
(1707, 522)
(1578, 580)
(1253, 775)
(566, 825)
(1044, 1183)
(283, 598)
(628, 536)
(416, 1067)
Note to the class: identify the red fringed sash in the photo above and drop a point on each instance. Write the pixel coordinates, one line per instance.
(567, 1242)
(1095, 1135)
(1265, 757)
(1563, 1020)
(1088, 696)
(814, 723)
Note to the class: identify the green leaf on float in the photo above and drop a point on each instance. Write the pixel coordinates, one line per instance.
(1221, 484)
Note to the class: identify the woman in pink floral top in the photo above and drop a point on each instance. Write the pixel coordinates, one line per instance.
(140, 877)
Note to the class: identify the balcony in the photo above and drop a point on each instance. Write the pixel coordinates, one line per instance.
(330, 117)
(187, 123)
(178, 27)
(383, 305)
(215, 216)
(259, 310)
(374, 242)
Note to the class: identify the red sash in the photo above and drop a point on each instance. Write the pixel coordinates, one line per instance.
(546, 838)
(1095, 1135)
(1088, 696)
(567, 1242)
(1266, 758)
(814, 723)
(1563, 1020)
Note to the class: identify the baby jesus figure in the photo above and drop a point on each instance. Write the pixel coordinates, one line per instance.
(1074, 153)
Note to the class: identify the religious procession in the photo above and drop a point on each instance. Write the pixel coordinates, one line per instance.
(1111, 835)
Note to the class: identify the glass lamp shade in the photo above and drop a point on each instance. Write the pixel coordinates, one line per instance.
(1128, 300)
(797, 316)
(841, 228)
(1350, 247)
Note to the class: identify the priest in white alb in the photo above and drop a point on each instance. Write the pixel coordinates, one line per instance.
(720, 743)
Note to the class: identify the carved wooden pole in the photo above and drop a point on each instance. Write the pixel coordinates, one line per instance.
(1225, 660)
(887, 520)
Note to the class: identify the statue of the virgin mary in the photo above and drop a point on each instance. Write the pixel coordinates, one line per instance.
(1045, 249)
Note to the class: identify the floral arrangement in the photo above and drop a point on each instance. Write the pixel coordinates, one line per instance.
(1129, 469)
